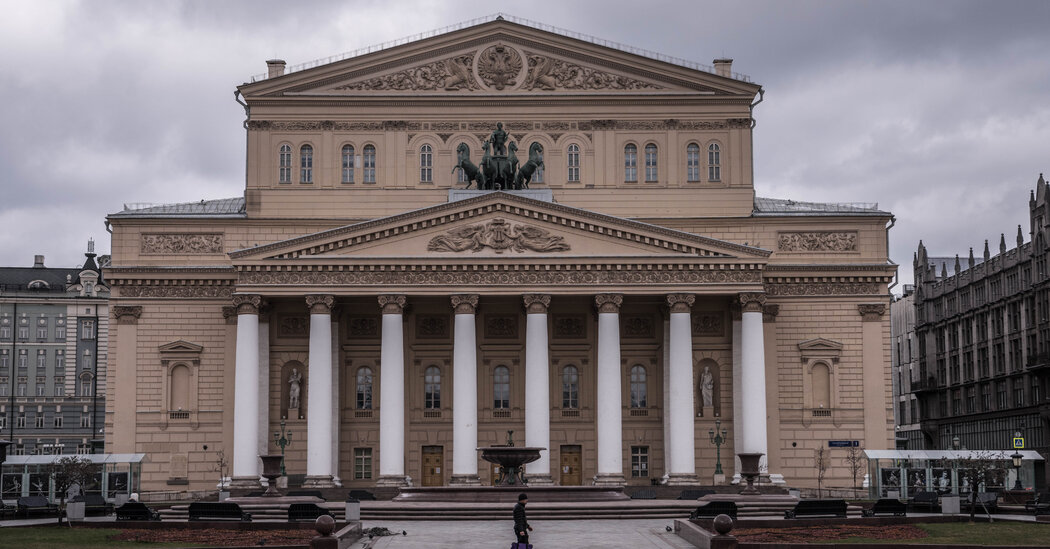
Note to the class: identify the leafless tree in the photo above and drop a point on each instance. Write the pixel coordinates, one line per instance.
(822, 468)
(981, 469)
(855, 460)
(69, 471)
(221, 466)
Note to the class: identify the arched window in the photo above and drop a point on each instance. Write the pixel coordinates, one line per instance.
(370, 164)
(638, 387)
(501, 388)
(306, 164)
(537, 176)
(179, 388)
(284, 175)
(630, 163)
(426, 164)
(364, 388)
(714, 163)
(432, 388)
(461, 175)
(348, 163)
(821, 386)
(574, 162)
(86, 389)
(570, 387)
(692, 162)
(650, 162)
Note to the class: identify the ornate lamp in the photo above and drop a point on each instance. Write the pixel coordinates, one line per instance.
(718, 439)
(1017, 457)
(282, 439)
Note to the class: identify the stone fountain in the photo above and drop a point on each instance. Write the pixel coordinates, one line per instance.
(511, 460)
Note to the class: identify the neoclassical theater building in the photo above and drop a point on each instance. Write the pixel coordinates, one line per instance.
(612, 291)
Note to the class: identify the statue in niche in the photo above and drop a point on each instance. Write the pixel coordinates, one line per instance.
(295, 382)
(707, 387)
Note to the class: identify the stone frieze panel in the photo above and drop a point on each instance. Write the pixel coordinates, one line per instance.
(817, 241)
(181, 243)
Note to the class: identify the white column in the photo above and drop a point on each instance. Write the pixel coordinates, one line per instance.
(465, 392)
(246, 394)
(738, 394)
(610, 396)
(264, 386)
(319, 394)
(336, 385)
(392, 394)
(537, 388)
(753, 374)
(667, 400)
(683, 461)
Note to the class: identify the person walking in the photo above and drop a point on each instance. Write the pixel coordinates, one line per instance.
(521, 524)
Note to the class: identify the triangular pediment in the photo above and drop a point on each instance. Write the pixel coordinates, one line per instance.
(181, 346)
(498, 57)
(500, 226)
(820, 346)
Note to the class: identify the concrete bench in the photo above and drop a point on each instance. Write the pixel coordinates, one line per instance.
(134, 510)
(36, 505)
(209, 510)
(887, 507)
(818, 508)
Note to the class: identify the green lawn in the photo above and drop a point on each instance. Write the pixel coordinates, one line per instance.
(979, 533)
(58, 537)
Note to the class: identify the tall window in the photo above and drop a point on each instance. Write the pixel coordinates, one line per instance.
(692, 162)
(501, 388)
(639, 461)
(60, 359)
(650, 162)
(306, 164)
(570, 387)
(426, 164)
(284, 174)
(638, 387)
(22, 358)
(630, 163)
(86, 389)
(714, 162)
(370, 164)
(362, 463)
(41, 358)
(574, 162)
(348, 163)
(180, 388)
(821, 385)
(5, 359)
(87, 329)
(432, 388)
(461, 175)
(537, 176)
(364, 388)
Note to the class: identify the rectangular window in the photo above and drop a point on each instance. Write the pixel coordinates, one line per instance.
(3, 422)
(348, 164)
(639, 461)
(5, 332)
(60, 359)
(40, 389)
(1000, 396)
(1035, 391)
(650, 163)
(85, 421)
(60, 333)
(41, 333)
(87, 329)
(3, 387)
(23, 360)
(630, 164)
(20, 422)
(426, 164)
(574, 163)
(21, 390)
(370, 164)
(23, 333)
(40, 421)
(692, 163)
(41, 358)
(1018, 395)
(5, 359)
(58, 422)
(714, 163)
(362, 463)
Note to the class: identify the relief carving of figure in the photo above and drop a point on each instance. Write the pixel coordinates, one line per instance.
(294, 387)
(707, 387)
(498, 235)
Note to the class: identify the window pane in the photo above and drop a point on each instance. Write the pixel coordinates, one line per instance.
(501, 388)
(630, 163)
(432, 388)
(306, 164)
(370, 164)
(364, 389)
(692, 160)
(426, 164)
(285, 171)
(638, 387)
(348, 163)
(570, 387)
(714, 163)
(650, 162)
(574, 162)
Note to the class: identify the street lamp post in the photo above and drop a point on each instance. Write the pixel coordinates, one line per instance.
(1017, 457)
(282, 440)
(718, 439)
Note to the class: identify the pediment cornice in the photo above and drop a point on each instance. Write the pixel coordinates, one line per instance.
(544, 215)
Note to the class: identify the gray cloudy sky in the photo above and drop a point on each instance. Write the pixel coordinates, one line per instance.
(937, 110)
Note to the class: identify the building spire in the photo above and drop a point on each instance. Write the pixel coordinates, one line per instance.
(987, 254)
(958, 266)
(1020, 237)
(944, 270)
(1002, 243)
(971, 261)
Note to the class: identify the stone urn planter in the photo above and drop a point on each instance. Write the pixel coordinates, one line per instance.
(749, 470)
(271, 470)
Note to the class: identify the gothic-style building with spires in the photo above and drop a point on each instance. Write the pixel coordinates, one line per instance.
(607, 285)
(982, 370)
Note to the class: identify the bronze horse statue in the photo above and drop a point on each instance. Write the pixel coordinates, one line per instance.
(498, 173)
(524, 175)
(473, 173)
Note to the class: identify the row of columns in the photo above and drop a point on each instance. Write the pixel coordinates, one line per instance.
(322, 418)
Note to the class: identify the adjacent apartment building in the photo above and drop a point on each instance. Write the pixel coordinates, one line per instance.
(983, 342)
(53, 324)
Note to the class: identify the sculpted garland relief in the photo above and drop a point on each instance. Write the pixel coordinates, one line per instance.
(210, 243)
(449, 74)
(499, 235)
(455, 278)
(817, 242)
(546, 73)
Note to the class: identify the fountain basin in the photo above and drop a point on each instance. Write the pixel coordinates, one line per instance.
(511, 461)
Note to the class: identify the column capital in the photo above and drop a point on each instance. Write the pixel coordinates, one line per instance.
(871, 312)
(247, 304)
(392, 304)
(465, 304)
(229, 313)
(536, 303)
(770, 313)
(320, 304)
(608, 303)
(680, 303)
(752, 302)
(127, 314)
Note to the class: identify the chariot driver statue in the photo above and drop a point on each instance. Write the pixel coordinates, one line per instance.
(499, 140)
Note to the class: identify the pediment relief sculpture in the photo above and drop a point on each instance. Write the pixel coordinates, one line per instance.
(499, 67)
(499, 235)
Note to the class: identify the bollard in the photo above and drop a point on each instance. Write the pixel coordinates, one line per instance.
(353, 509)
(723, 524)
(324, 525)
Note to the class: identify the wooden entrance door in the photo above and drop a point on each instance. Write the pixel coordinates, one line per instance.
(571, 473)
(433, 459)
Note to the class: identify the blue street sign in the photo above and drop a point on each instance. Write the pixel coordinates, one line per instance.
(843, 443)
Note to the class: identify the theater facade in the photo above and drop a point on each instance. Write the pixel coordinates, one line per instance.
(597, 276)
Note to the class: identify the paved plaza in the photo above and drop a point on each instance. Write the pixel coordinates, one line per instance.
(460, 534)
